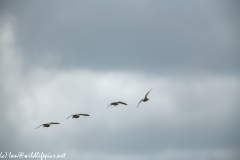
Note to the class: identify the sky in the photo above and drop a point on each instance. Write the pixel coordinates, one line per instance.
(59, 58)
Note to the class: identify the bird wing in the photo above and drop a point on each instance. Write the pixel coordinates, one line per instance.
(147, 94)
(109, 105)
(122, 103)
(69, 116)
(54, 123)
(39, 126)
(139, 103)
(84, 114)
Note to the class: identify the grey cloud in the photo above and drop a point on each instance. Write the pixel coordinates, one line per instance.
(155, 127)
(147, 36)
(76, 57)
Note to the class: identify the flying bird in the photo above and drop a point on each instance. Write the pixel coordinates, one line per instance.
(48, 124)
(116, 103)
(145, 99)
(77, 115)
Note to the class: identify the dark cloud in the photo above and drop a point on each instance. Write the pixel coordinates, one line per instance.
(147, 36)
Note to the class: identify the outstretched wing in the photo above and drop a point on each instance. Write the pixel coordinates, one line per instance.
(83, 114)
(147, 94)
(39, 126)
(109, 105)
(139, 103)
(54, 123)
(122, 103)
(69, 116)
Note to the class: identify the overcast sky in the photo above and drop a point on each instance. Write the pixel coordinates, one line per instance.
(59, 58)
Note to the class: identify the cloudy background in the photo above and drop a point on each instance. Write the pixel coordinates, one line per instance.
(59, 58)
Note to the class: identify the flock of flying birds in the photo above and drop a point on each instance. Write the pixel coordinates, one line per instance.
(145, 99)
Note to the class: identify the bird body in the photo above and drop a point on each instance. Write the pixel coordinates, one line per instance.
(145, 99)
(48, 124)
(78, 115)
(116, 103)
(75, 116)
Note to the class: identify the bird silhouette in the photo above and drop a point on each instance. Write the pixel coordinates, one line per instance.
(145, 99)
(48, 124)
(116, 103)
(77, 115)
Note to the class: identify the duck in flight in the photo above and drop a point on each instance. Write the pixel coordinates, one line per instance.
(116, 103)
(145, 99)
(78, 115)
(48, 124)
